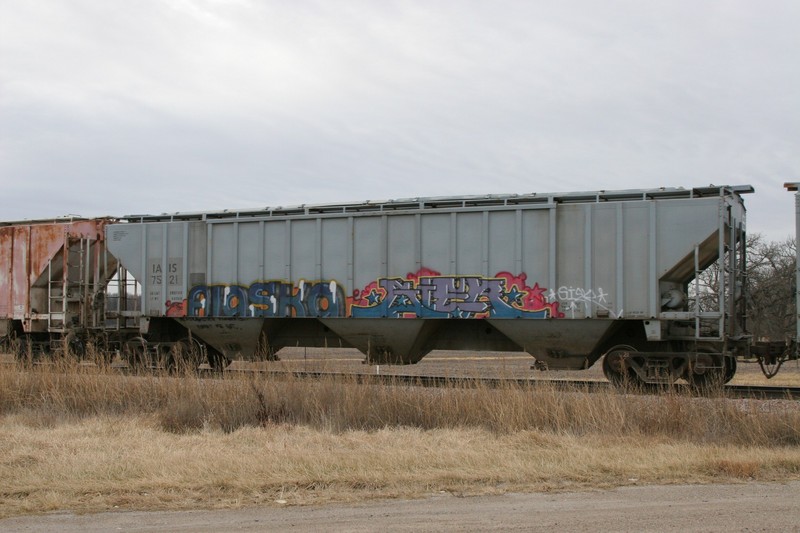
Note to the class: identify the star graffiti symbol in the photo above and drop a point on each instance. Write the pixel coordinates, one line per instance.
(514, 295)
(537, 292)
(373, 297)
(401, 300)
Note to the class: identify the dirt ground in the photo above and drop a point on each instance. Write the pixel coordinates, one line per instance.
(741, 507)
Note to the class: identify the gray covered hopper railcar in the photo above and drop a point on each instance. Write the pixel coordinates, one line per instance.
(567, 278)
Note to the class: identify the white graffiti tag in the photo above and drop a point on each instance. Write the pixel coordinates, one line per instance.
(572, 299)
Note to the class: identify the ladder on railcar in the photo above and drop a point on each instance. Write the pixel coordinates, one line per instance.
(721, 315)
(76, 290)
(122, 302)
(70, 286)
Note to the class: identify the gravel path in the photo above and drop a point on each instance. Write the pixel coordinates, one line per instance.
(741, 507)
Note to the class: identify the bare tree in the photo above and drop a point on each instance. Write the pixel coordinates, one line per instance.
(771, 286)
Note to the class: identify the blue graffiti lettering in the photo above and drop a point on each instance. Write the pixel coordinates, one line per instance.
(268, 299)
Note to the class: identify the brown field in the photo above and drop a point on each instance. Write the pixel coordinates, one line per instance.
(88, 438)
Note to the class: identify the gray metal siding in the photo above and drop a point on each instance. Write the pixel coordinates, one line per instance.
(502, 248)
(570, 248)
(402, 241)
(435, 238)
(636, 220)
(368, 245)
(604, 257)
(304, 247)
(224, 254)
(335, 261)
(592, 256)
(275, 258)
(469, 245)
(535, 244)
(251, 253)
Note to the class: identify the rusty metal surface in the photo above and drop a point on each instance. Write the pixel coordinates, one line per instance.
(26, 249)
(6, 264)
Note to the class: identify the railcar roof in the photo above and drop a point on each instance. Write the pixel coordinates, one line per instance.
(433, 202)
(67, 219)
(454, 202)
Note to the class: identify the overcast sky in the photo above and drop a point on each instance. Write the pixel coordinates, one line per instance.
(120, 107)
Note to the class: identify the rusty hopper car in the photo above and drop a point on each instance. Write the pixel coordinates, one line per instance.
(567, 278)
(53, 280)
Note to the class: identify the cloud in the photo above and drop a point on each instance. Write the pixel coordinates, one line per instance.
(115, 107)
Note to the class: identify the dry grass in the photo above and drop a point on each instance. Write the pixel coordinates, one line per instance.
(90, 439)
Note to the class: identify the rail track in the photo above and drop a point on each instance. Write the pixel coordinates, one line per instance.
(761, 392)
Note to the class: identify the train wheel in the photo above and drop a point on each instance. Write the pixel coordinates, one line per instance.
(187, 355)
(98, 348)
(134, 352)
(6, 344)
(73, 346)
(23, 348)
(708, 371)
(730, 368)
(615, 366)
(217, 361)
(10, 344)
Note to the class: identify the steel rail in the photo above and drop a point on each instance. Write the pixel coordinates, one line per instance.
(759, 392)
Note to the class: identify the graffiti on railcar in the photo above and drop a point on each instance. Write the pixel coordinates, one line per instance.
(268, 299)
(573, 300)
(428, 294)
(176, 309)
(424, 294)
